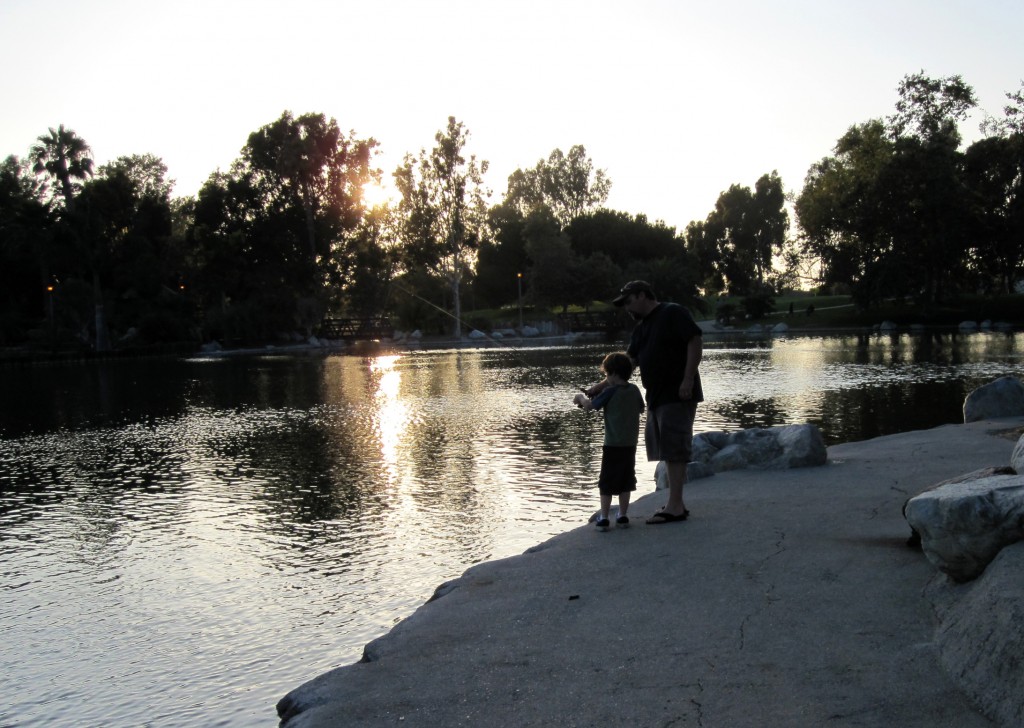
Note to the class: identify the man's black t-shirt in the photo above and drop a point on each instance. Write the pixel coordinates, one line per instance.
(659, 344)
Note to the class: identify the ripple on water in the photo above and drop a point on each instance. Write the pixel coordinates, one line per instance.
(190, 565)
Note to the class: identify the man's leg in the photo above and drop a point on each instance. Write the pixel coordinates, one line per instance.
(676, 481)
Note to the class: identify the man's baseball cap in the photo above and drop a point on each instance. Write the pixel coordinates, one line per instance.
(631, 288)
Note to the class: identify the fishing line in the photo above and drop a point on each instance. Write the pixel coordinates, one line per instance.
(500, 344)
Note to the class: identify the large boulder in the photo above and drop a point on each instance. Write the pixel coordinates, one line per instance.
(771, 448)
(1017, 458)
(965, 522)
(752, 447)
(1002, 398)
(980, 633)
(915, 537)
(802, 447)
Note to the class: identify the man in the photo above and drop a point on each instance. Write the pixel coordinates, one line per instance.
(666, 344)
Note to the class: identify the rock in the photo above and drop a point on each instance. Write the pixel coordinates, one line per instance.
(771, 448)
(476, 334)
(802, 446)
(780, 328)
(702, 450)
(887, 326)
(730, 457)
(715, 438)
(985, 325)
(964, 523)
(752, 447)
(1002, 398)
(755, 329)
(313, 341)
(530, 331)
(968, 326)
(979, 636)
(211, 347)
(694, 471)
(417, 334)
(1017, 458)
(915, 537)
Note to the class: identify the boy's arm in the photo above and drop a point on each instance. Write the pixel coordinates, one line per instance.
(583, 401)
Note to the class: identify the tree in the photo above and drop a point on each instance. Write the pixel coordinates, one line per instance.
(1012, 122)
(844, 215)
(568, 184)
(929, 219)
(25, 271)
(501, 258)
(147, 173)
(769, 223)
(102, 218)
(736, 244)
(622, 237)
(444, 209)
(557, 272)
(888, 211)
(702, 238)
(994, 180)
(931, 108)
(64, 157)
(275, 231)
(308, 162)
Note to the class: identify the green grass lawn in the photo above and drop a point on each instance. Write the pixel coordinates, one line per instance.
(839, 312)
(829, 312)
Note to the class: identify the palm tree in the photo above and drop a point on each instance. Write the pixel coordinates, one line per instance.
(64, 156)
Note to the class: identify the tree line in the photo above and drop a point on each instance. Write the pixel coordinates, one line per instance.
(107, 256)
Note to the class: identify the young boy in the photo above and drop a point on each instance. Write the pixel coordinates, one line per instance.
(622, 404)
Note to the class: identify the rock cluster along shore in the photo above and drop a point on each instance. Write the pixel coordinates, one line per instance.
(789, 598)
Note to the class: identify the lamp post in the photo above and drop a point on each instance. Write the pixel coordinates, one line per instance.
(519, 280)
(49, 305)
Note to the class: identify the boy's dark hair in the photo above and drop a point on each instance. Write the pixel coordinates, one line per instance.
(619, 363)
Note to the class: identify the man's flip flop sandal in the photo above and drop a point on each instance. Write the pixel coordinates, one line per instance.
(666, 517)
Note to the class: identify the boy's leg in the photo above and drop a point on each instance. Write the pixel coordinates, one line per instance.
(624, 502)
(606, 505)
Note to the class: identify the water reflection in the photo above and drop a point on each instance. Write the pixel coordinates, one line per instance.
(184, 539)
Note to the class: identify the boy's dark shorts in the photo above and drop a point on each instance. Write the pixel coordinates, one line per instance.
(668, 434)
(618, 470)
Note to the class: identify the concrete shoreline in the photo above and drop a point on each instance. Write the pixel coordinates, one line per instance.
(788, 599)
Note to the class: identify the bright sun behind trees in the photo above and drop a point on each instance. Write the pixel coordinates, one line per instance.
(304, 224)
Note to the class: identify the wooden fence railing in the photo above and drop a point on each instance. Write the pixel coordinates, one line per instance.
(378, 327)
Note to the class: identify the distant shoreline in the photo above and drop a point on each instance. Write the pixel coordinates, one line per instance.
(24, 356)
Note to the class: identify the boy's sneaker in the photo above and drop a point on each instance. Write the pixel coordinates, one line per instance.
(622, 522)
(602, 524)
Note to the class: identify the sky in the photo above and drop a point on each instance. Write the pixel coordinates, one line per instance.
(676, 100)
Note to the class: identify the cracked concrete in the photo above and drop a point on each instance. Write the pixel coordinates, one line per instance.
(788, 599)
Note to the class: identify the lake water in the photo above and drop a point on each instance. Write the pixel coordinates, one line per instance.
(185, 541)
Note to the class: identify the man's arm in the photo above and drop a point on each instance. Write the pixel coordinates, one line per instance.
(694, 352)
